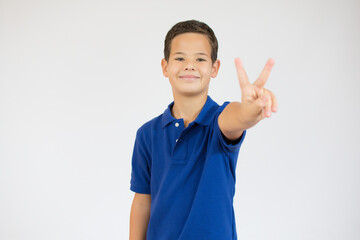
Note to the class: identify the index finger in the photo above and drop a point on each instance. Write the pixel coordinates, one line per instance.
(264, 75)
(243, 79)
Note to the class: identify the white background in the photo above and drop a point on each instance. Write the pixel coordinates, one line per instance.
(78, 78)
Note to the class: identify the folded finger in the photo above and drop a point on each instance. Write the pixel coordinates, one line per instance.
(268, 106)
(274, 107)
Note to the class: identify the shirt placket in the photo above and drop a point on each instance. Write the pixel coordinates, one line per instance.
(179, 153)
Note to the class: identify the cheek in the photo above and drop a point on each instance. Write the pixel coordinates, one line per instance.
(174, 69)
(206, 71)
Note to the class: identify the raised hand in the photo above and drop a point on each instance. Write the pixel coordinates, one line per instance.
(255, 93)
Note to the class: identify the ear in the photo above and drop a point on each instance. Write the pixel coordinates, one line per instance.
(215, 68)
(164, 67)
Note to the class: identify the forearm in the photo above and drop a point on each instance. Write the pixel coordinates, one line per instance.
(139, 220)
(244, 115)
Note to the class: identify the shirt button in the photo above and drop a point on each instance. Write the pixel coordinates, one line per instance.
(176, 140)
(176, 124)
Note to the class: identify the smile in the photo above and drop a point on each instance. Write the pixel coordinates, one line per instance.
(189, 77)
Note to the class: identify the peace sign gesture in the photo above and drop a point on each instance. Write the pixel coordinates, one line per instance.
(255, 93)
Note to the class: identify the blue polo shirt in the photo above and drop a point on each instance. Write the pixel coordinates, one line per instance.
(190, 174)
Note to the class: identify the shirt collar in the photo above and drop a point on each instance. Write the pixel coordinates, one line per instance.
(203, 118)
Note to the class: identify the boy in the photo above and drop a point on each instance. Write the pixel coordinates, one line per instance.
(184, 160)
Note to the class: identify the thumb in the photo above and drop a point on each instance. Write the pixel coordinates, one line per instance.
(261, 103)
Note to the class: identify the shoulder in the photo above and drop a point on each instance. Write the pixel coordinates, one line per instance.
(149, 126)
(145, 134)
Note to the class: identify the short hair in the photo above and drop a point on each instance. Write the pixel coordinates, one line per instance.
(191, 26)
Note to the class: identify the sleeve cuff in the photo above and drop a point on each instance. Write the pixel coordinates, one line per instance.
(231, 146)
(140, 189)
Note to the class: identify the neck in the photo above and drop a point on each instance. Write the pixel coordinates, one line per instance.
(188, 107)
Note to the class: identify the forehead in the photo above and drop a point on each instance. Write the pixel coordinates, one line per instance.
(191, 43)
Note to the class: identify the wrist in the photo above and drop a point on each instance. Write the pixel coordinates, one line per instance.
(250, 114)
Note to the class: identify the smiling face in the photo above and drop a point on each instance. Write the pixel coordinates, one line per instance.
(190, 68)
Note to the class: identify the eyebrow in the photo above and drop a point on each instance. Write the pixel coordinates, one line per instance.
(195, 53)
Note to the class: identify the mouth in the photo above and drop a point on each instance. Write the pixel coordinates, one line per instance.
(189, 78)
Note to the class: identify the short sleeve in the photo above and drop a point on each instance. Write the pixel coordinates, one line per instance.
(140, 167)
(227, 144)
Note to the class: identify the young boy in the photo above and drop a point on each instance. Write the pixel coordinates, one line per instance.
(184, 160)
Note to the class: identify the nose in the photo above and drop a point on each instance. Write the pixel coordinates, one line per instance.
(189, 66)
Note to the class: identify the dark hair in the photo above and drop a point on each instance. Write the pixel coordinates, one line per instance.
(193, 26)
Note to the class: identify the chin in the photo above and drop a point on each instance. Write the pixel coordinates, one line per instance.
(190, 92)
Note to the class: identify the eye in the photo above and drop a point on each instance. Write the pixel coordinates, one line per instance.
(179, 59)
(201, 59)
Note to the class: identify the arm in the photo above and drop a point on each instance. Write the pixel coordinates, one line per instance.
(139, 216)
(257, 103)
